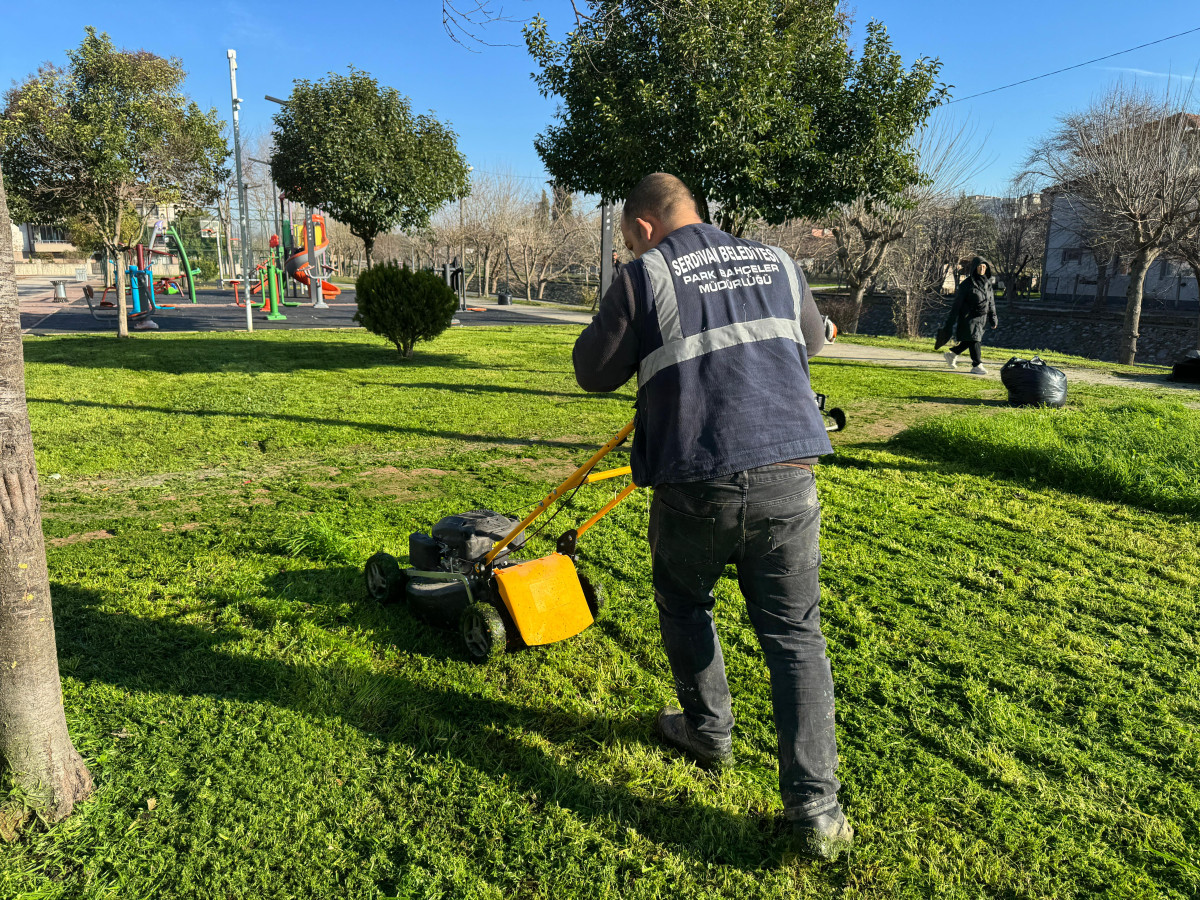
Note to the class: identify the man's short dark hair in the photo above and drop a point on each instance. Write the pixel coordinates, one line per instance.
(660, 195)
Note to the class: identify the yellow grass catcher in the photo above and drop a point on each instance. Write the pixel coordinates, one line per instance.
(462, 574)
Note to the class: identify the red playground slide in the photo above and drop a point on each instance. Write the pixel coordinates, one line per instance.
(297, 264)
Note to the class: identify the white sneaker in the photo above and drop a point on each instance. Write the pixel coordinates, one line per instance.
(145, 325)
(951, 359)
(978, 370)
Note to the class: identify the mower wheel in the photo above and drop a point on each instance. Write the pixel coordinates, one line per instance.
(385, 581)
(483, 631)
(594, 594)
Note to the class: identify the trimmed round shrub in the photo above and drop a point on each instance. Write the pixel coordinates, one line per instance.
(404, 306)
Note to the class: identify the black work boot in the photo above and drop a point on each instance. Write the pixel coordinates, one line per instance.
(822, 837)
(673, 728)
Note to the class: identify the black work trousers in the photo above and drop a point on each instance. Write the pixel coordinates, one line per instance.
(976, 348)
(767, 522)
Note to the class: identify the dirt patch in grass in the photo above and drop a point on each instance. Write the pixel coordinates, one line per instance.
(171, 527)
(545, 469)
(81, 538)
(401, 484)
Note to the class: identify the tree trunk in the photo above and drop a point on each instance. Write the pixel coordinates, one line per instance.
(227, 224)
(1142, 261)
(122, 296)
(122, 304)
(368, 247)
(34, 743)
(856, 300)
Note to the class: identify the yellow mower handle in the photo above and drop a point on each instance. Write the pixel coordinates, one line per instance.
(576, 478)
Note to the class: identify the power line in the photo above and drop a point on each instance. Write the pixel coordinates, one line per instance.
(1005, 87)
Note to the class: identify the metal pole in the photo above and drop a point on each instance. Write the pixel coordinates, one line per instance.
(606, 247)
(243, 213)
(314, 273)
(462, 259)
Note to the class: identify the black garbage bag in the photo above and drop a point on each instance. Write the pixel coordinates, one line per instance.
(1031, 382)
(1187, 369)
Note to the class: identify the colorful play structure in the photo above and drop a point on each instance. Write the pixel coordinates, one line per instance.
(269, 282)
(282, 262)
(142, 302)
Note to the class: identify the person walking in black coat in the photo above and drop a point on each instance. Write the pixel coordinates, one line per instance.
(974, 308)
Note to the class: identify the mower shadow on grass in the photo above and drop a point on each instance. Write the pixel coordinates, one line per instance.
(381, 427)
(493, 737)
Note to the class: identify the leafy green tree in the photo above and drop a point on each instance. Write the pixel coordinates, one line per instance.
(81, 144)
(357, 151)
(404, 306)
(758, 105)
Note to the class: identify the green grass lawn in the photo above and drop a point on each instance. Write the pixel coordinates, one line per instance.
(1012, 633)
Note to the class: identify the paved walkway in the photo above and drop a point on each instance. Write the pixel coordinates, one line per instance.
(216, 311)
(1132, 376)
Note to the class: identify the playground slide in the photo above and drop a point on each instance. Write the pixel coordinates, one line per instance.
(297, 264)
(328, 290)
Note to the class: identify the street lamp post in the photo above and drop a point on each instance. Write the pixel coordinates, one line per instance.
(243, 213)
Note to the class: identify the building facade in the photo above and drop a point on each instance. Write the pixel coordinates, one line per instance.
(1072, 274)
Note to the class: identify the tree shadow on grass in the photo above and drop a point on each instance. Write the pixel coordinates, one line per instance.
(494, 737)
(962, 401)
(380, 427)
(193, 354)
(500, 389)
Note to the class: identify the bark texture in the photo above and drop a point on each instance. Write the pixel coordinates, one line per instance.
(1143, 259)
(34, 743)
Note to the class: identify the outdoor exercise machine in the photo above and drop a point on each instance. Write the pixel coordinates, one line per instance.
(271, 285)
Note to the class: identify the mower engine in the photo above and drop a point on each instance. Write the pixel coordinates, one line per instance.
(446, 573)
(498, 604)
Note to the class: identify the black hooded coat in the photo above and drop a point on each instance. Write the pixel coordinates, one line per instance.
(974, 305)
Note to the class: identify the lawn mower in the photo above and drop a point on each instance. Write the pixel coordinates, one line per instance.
(463, 575)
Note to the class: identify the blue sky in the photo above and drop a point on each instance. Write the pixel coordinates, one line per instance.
(491, 101)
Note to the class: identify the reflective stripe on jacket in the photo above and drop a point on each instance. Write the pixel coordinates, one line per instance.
(723, 381)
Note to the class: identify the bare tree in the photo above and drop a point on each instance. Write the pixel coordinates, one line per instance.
(938, 236)
(491, 212)
(947, 156)
(1017, 237)
(1187, 247)
(34, 742)
(1130, 165)
(544, 246)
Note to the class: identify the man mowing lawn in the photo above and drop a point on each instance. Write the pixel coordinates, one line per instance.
(719, 330)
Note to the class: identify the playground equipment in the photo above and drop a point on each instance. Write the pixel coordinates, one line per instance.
(186, 272)
(298, 265)
(141, 303)
(271, 284)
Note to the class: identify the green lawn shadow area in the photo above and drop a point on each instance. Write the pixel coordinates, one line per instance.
(1122, 452)
(259, 353)
(488, 735)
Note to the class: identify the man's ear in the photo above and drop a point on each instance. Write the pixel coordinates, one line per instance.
(645, 230)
